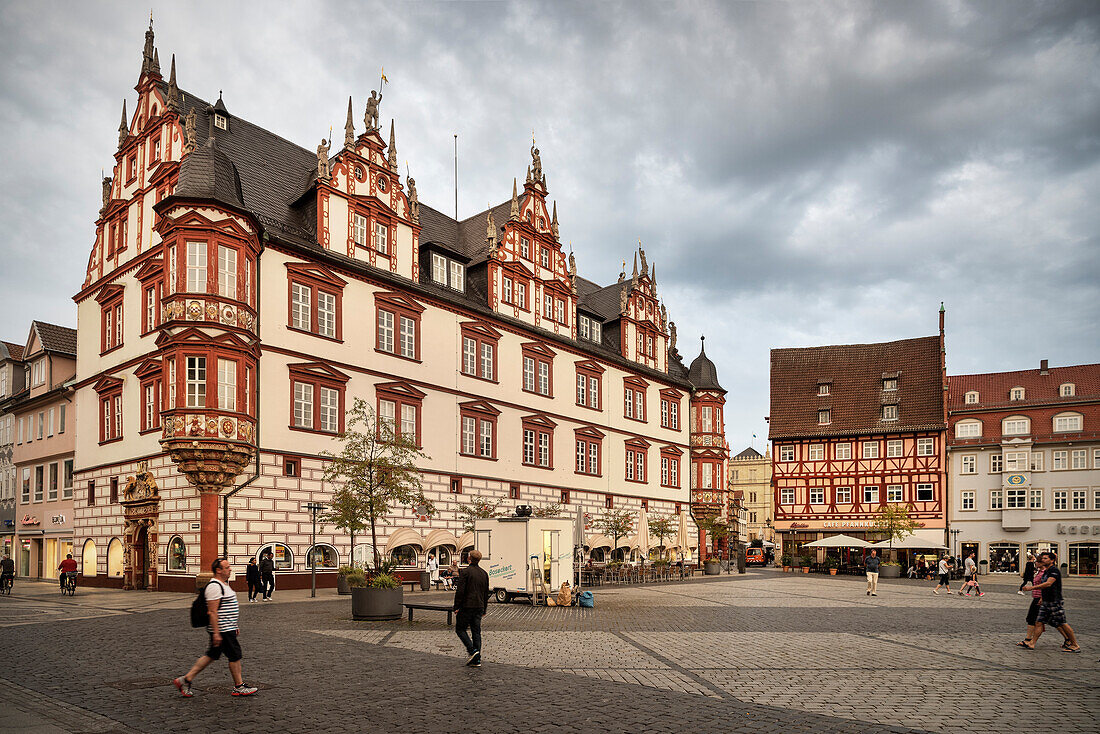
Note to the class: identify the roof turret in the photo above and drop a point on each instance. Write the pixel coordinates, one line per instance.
(702, 373)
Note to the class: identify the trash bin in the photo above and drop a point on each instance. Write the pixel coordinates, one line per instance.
(425, 581)
(741, 563)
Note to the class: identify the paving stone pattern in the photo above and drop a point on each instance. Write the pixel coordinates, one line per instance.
(760, 652)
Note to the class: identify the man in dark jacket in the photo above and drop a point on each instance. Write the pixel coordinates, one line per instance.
(471, 602)
(267, 575)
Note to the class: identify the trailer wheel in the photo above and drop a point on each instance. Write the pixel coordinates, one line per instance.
(503, 597)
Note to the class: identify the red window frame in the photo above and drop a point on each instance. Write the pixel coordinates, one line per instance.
(539, 425)
(670, 398)
(481, 334)
(634, 387)
(541, 354)
(636, 447)
(608, 501)
(398, 305)
(400, 394)
(672, 455)
(150, 375)
(317, 280)
(565, 497)
(479, 411)
(131, 168)
(318, 375)
(109, 390)
(589, 437)
(111, 318)
(591, 370)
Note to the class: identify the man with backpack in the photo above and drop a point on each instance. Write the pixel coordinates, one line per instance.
(222, 610)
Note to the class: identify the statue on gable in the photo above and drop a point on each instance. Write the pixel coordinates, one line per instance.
(323, 172)
(664, 315)
(414, 203)
(189, 132)
(645, 265)
(536, 164)
(370, 117)
(491, 233)
(624, 294)
(107, 181)
(672, 337)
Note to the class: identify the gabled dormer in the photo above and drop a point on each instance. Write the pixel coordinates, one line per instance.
(643, 323)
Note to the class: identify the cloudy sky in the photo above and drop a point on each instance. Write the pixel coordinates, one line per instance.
(800, 173)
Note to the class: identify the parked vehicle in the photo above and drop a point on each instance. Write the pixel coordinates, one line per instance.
(512, 546)
(755, 557)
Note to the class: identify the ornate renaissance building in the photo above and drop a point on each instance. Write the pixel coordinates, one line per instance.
(243, 290)
(855, 428)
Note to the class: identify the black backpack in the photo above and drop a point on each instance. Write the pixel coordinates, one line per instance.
(200, 613)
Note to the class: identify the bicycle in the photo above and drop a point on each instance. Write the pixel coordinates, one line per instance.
(6, 584)
(69, 587)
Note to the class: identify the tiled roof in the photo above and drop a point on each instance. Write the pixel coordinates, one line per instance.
(54, 338)
(749, 453)
(854, 374)
(10, 350)
(993, 387)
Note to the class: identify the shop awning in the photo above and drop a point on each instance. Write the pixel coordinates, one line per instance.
(839, 541)
(913, 542)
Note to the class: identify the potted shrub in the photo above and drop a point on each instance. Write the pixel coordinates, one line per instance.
(785, 561)
(889, 570)
(830, 563)
(376, 597)
(806, 561)
(712, 566)
(342, 586)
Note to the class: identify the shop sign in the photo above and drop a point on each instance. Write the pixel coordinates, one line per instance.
(58, 519)
(799, 525)
(1078, 529)
(30, 520)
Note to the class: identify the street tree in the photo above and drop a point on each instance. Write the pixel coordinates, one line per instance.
(479, 509)
(551, 510)
(895, 523)
(662, 527)
(346, 512)
(615, 524)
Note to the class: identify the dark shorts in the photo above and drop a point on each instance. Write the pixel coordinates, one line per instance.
(1033, 612)
(945, 579)
(1052, 613)
(230, 646)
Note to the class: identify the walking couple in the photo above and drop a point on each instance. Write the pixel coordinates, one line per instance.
(1047, 605)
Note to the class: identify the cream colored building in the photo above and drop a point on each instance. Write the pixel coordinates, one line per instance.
(751, 473)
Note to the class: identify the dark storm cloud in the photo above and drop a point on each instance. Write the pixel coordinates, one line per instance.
(800, 173)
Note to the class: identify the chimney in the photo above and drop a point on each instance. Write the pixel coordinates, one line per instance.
(1044, 367)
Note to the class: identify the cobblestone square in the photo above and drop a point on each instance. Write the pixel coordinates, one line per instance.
(765, 651)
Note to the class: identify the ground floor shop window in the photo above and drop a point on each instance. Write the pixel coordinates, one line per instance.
(405, 555)
(1084, 558)
(443, 554)
(114, 558)
(281, 555)
(966, 550)
(177, 554)
(464, 556)
(88, 559)
(363, 556)
(1004, 557)
(323, 557)
(1042, 546)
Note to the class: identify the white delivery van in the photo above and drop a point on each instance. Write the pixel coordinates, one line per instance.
(511, 546)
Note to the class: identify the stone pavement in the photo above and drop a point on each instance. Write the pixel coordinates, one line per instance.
(761, 652)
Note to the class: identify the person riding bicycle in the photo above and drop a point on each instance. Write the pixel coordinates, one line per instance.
(67, 569)
(7, 570)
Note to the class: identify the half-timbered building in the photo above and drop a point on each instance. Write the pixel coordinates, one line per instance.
(242, 290)
(855, 428)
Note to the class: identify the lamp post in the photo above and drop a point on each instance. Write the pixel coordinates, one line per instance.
(314, 508)
(955, 540)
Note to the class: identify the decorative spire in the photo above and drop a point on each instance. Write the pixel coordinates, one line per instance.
(156, 61)
(514, 214)
(544, 188)
(528, 174)
(554, 221)
(148, 54)
(173, 90)
(123, 127)
(702, 344)
(634, 277)
(349, 129)
(393, 150)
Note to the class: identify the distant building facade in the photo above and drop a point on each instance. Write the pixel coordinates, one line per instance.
(1024, 456)
(855, 428)
(751, 473)
(12, 376)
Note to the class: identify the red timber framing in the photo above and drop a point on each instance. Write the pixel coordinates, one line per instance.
(825, 483)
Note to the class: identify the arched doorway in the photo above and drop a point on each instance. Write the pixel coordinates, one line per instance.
(141, 508)
(140, 557)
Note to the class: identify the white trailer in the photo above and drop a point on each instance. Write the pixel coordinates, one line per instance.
(512, 546)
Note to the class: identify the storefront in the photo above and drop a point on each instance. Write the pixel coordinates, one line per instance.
(791, 537)
(1076, 545)
(43, 543)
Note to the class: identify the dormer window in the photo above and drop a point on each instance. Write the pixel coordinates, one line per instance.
(588, 328)
(221, 122)
(1067, 390)
(824, 417)
(823, 388)
(889, 383)
(1016, 393)
(889, 412)
(447, 272)
(971, 397)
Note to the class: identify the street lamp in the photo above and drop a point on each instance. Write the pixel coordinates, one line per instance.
(314, 508)
(955, 540)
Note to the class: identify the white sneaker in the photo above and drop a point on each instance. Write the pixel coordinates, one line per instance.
(243, 690)
(1020, 593)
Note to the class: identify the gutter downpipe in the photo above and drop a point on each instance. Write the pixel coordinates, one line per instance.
(256, 389)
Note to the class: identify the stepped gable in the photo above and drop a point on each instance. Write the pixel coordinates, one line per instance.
(854, 373)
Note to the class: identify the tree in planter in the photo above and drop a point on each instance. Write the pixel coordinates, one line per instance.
(345, 512)
(895, 523)
(716, 528)
(615, 523)
(378, 468)
(479, 509)
(661, 528)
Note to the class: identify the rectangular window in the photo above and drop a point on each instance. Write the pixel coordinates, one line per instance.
(39, 482)
(330, 410)
(926, 446)
(528, 447)
(844, 451)
(196, 382)
(1036, 461)
(52, 491)
(544, 257)
(112, 497)
(227, 272)
(786, 453)
(359, 229)
(525, 248)
(1060, 460)
(708, 476)
(890, 383)
(996, 464)
(1060, 499)
(817, 452)
(529, 374)
(843, 495)
(559, 310)
(1035, 499)
(41, 425)
(91, 493)
(966, 499)
(486, 446)
(823, 418)
(385, 331)
(1017, 460)
(870, 495)
(548, 306)
(151, 307)
(469, 356)
(457, 276)
(1067, 423)
(1078, 500)
(303, 405)
(1078, 459)
(227, 384)
(149, 408)
(513, 492)
(889, 412)
(387, 416)
(469, 434)
(1017, 427)
(1095, 459)
(894, 448)
(996, 500)
(924, 493)
(506, 287)
(969, 429)
(439, 269)
(326, 314)
(544, 378)
(49, 423)
(894, 493)
(870, 449)
(521, 295)
(196, 267)
(408, 337)
(67, 480)
(817, 495)
(381, 239)
(969, 464)
(786, 496)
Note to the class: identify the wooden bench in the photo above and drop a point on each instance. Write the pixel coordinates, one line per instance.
(413, 584)
(433, 608)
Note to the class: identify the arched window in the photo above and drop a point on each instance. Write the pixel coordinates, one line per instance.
(1017, 425)
(88, 559)
(1067, 390)
(405, 556)
(324, 557)
(280, 554)
(177, 554)
(597, 555)
(1067, 422)
(114, 558)
(363, 556)
(443, 554)
(464, 556)
(968, 429)
(972, 397)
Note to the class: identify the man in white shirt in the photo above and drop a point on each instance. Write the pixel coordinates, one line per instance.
(224, 611)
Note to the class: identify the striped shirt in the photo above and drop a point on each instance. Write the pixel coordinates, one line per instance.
(229, 610)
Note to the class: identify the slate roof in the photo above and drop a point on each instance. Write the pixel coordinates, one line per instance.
(207, 173)
(749, 453)
(604, 302)
(703, 374)
(854, 373)
(8, 350)
(993, 387)
(54, 338)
